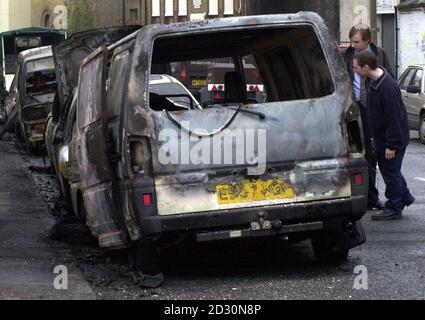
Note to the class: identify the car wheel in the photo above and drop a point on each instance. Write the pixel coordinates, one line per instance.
(326, 249)
(422, 129)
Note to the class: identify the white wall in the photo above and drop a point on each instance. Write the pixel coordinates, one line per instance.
(411, 41)
(14, 14)
(4, 15)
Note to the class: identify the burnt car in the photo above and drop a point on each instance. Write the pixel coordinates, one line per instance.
(145, 169)
(33, 92)
(68, 57)
(13, 42)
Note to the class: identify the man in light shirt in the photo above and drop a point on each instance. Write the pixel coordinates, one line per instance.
(361, 40)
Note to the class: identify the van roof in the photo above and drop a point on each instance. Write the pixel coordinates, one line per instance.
(308, 17)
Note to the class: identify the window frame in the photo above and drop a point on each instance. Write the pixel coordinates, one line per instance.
(101, 54)
(414, 79)
(336, 87)
(405, 79)
(125, 48)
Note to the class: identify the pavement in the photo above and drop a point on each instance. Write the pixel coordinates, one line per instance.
(27, 256)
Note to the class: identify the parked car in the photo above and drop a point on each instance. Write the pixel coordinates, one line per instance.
(412, 85)
(69, 56)
(33, 92)
(13, 42)
(144, 169)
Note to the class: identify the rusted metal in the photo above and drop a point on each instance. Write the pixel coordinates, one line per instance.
(314, 139)
(33, 107)
(70, 54)
(69, 57)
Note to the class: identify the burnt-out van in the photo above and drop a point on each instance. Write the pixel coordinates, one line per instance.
(33, 94)
(291, 166)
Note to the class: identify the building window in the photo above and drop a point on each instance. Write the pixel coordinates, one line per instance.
(134, 14)
(228, 7)
(46, 20)
(156, 8)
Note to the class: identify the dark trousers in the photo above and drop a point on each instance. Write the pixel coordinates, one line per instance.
(397, 191)
(373, 195)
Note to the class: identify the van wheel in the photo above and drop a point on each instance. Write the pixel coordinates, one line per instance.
(326, 249)
(422, 129)
(144, 258)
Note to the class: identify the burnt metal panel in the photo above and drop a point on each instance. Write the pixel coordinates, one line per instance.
(70, 54)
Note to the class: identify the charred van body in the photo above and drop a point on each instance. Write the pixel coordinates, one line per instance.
(146, 166)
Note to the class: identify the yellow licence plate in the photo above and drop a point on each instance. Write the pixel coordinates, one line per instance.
(199, 82)
(256, 190)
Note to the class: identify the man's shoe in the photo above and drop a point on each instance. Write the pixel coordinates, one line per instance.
(409, 200)
(387, 214)
(376, 206)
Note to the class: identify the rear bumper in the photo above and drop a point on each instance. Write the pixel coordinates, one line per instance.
(299, 214)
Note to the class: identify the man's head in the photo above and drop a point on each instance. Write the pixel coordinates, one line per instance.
(364, 63)
(360, 37)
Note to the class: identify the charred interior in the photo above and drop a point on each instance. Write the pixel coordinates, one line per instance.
(40, 81)
(288, 64)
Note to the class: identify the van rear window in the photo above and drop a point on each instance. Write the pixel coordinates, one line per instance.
(249, 66)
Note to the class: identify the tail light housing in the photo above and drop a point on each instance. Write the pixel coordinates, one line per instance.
(147, 199)
(138, 160)
(358, 179)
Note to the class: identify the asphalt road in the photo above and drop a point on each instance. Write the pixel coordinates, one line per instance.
(27, 257)
(394, 257)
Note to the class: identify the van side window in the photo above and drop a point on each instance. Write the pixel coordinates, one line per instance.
(118, 72)
(90, 92)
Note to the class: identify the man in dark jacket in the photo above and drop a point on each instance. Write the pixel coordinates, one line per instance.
(390, 129)
(361, 40)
